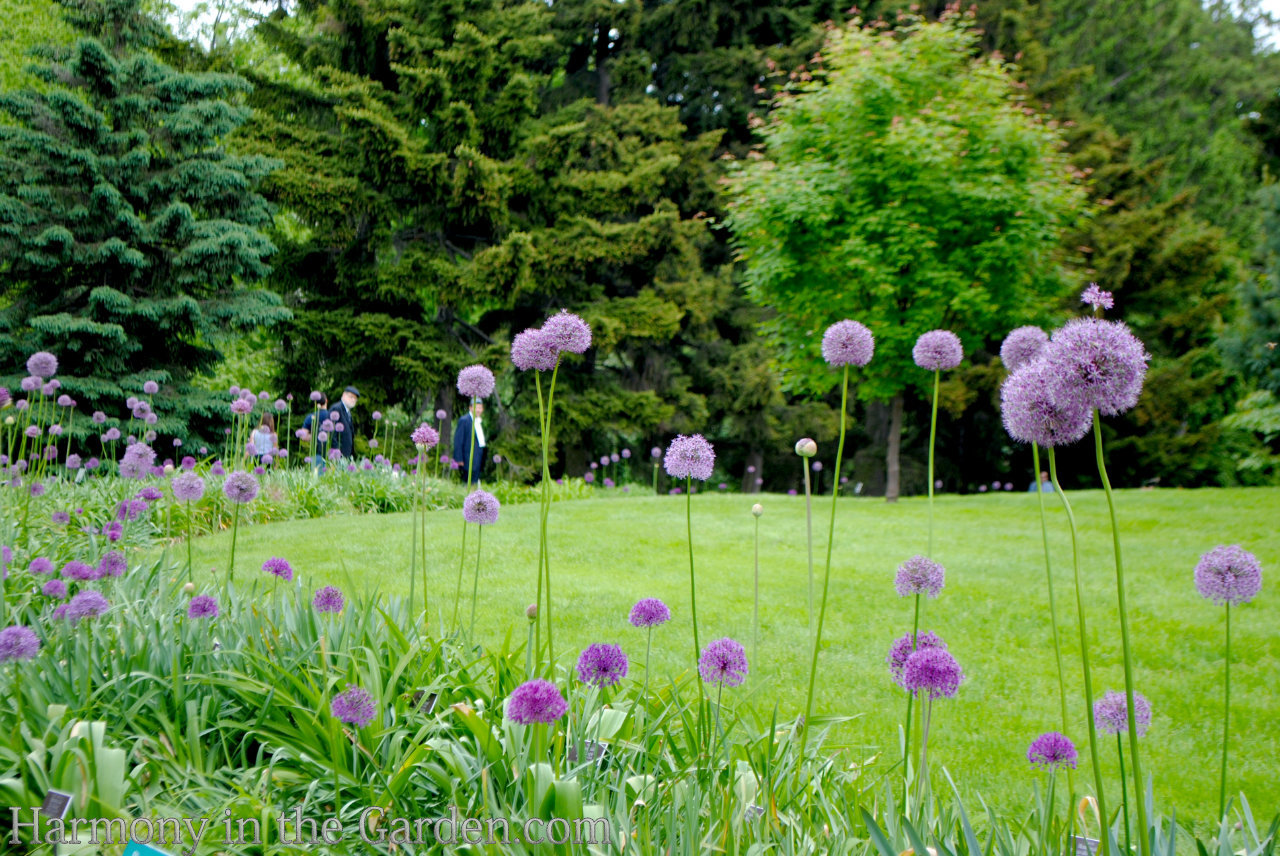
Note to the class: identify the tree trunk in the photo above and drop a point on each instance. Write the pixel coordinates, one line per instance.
(893, 452)
(752, 471)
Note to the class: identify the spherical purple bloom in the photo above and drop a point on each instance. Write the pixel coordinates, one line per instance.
(60, 517)
(1052, 750)
(149, 494)
(355, 706)
(335, 454)
(626, 454)
(536, 701)
(475, 382)
(37, 489)
(938, 350)
(111, 435)
(30, 384)
(604, 460)
(264, 395)
(281, 405)
(594, 465)
(217, 469)
(18, 643)
(39, 565)
(1021, 346)
(982, 488)
(1032, 413)
(241, 406)
(188, 463)
(202, 606)
(425, 436)
(1228, 574)
(847, 343)
(690, 457)
(589, 478)
(64, 400)
(480, 507)
(91, 464)
(279, 567)
(902, 649)
(533, 349)
(649, 612)
(932, 670)
(113, 531)
(99, 417)
(602, 665)
(77, 570)
(1111, 713)
(655, 452)
(240, 487)
(85, 604)
(42, 363)
(233, 390)
(323, 437)
(567, 332)
(608, 482)
(51, 387)
(1098, 364)
(1096, 297)
(259, 471)
(55, 430)
(33, 431)
(919, 575)
(441, 415)
(328, 599)
(137, 461)
(151, 387)
(112, 564)
(317, 396)
(817, 466)
(339, 427)
(55, 589)
(724, 661)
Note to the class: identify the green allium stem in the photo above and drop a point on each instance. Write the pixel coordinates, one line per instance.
(909, 726)
(475, 587)
(235, 524)
(693, 594)
(933, 436)
(808, 522)
(546, 512)
(1226, 718)
(462, 558)
(755, 615)
(422, 523)
(190, 572)
(1124, 792)
(1048, 575)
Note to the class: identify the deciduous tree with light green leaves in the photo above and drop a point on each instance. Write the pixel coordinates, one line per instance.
(906, 185)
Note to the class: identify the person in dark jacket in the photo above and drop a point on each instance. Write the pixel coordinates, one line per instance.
(344, 438)
(462, 437)
(309, 425)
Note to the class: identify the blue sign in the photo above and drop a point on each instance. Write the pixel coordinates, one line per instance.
(136, 849)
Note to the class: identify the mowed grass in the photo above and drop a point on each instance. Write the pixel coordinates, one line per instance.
(993, 613)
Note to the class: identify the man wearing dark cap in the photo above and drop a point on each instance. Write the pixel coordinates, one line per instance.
(343, 437)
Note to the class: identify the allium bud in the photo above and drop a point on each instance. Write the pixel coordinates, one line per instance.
(806, 448)
(531, 612)
(189, 588)
(757, 509)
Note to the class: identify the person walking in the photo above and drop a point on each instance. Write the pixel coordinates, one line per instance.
(344, 428)
(462, 437)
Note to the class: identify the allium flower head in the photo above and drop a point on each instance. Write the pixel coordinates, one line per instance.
(902, 649)
(932, 670)
(187, 486)
(480, 507)
(690, 457)
(724, 661)
(806, 448)
(1052, 750)
(1111, 713)
(281, 405)
(567, 332)
(534, 349)
(55, 589)
(98, 417)
(354, 706)
(86, 604)
(536, 701)
(65, 400)
(1228, 574)
(30, 384)
(112, 564)
(847, 343)
(202, 606)
(1098, 364)
(1032, 413)
(649, 612)
(602, 665)
(441, 415)
(757, 509)
(38, 565)
(938, 350)
(149, 494)
(919, 575)
(1096, 297)
(60, 517)
(137, 462)
(655, 452)
(475, 382)
(79, 571)
(424, 436)
(241, 406)
(42, 364)
(279, 567)
(18, 642)
(151, 387)
(328, 599)
(240, 487)
(316, 396)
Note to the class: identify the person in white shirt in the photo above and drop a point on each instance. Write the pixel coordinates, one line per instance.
(462, 438)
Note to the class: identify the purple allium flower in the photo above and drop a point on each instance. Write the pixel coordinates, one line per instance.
(113, 531)
(55, 589)
(328, 599)
(279, 567)
(1111, 713)
(241, 406)
(602, 665)
(18, 643)
(113, 564)
(322, 438)
(259, 471)
(217, 469)
(847, 343)
(1021, 346)
(149, 494)
(240, 487)
(32, 431)
(202, 606)
(1052, 750)
(793, 492)
(355, 706)
(817, 466)
(441, 415)
(475, 382)
(37, 489)
(151, 387)
(595, 465)
(536, 701)
(55, 430)
(281, 405)
(73, 462)
(982, 488)
(649, 612)
(64, 400)
(30, 384)
(111, 435)
(85, 604)
(60, 517)
(77, 570)
(995, 485)
(425, 436)
(724, 661)
(690, 457)
(589, 478)
(42, 363)
(1098, 364)
(1228, 574)
(131, 402)
(655, 452)
(335, 454)
(317, 396)
(626, 454)
(339, 427)
(1032, 413)
(567, 332)
(902, 649)
(932, 670)
(919, 575)
(480, 507)
(131, 509)
(188, 463)
(938, 350)
(137, 461)
(264, 395)
(1096, 297)
(99, 417)
(38, 565)
(51, 387)
(533, 349)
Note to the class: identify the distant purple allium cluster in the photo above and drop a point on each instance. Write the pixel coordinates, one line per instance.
(902, 649)
(328, 599)
(690, 457)
(649, 612)
(202, 606)
(536, 701)
(475, 382)
(1032, 413)
(1111, 713)
(18, 643)
(425, 436)
(354, 706)
(240, 487)
(602, 665)
(187, 486)
(113, 564)
(919, 575)
(279, 567)
(480, 507)
(1228, 574)
(932, 670)
(1021, 346)
(85, 604)
(79, 571)
(55, 589)
(137, 462)
(938, 350)
(1097, 298)
(723, 661)
(1052, 750)
(847, 343)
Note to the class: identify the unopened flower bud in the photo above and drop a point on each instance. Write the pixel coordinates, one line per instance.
(189, 588)
(168, 469)
(806, 448)
(531, 612)
(757, 509)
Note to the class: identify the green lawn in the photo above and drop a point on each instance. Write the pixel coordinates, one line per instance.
(993, 612)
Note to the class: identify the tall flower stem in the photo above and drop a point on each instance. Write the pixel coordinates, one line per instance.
(808, 522)
(933, 436)
(826, 583)
(235, 525)
(462, 558)
(475, 587)
(1084, 654)
(755, 615)
(190, 572)
(923, 774)
(413, 556)
(542, 511)
(422, 524)
(1048, 575)
(693, 591)
(1144, 843)
(909, 725)
(545, 563)
(1226, 718)
(1124, 792)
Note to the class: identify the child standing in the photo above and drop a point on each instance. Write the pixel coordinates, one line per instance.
(265, 442)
